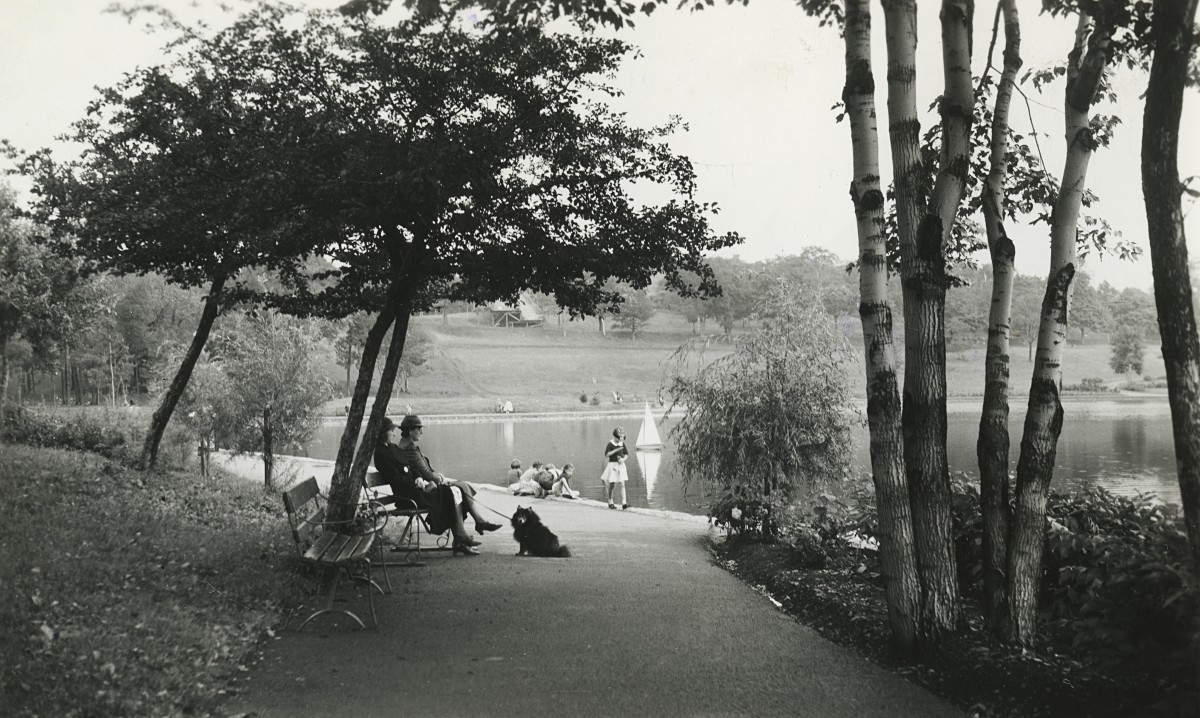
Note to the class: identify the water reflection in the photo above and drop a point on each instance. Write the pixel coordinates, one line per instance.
(1123, 446)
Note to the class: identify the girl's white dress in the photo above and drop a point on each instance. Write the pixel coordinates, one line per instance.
(615, 471)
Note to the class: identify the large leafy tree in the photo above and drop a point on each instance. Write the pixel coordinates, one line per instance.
(471, 165)
(196, 169)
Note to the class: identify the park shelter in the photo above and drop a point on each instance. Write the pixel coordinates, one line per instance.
(523, 314)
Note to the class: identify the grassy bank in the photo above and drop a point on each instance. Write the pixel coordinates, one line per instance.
(126, 593)
(473, 364)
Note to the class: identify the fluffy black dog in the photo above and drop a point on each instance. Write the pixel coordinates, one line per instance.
(533, 536)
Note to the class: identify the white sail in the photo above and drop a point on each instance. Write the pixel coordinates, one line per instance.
(648, 437)
(648, 462)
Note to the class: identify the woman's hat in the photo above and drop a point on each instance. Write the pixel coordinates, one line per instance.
(410, 421)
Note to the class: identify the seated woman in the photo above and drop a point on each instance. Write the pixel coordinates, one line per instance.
(448, 501)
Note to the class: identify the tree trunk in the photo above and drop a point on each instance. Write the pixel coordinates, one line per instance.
(1044, 418)
(387, 380)
(922, 227)
(162, 415)
(112, 378)
(349, 362)
(602, 332)
(901, 587)
(993, 445)
(1173, 45)
(3, 375)
(268, 452)
(343, 492)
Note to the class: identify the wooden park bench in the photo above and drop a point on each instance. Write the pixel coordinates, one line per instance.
(416, 519)
(320, 544)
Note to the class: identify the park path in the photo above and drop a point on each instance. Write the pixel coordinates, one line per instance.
(639, 622)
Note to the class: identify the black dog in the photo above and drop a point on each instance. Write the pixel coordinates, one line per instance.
(533, 536)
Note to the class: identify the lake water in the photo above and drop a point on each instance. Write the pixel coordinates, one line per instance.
(1123, 444)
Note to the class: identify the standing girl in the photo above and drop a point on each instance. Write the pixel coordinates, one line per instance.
(614, 473)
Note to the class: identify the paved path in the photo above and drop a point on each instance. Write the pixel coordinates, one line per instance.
(640, 622)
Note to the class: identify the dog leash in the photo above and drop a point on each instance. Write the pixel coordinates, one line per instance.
(489, 508)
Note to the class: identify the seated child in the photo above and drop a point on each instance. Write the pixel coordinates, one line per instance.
(562, 487)
(514, 472)
(547, 477)
(526, 484)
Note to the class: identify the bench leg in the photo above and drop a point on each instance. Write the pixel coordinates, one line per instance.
(330, 609)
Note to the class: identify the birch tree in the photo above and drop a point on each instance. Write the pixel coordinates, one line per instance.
(1044, 416)
(925, 221)
(875, 310)
(993, 444)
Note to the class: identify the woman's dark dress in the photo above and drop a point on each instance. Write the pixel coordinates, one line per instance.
(390, 461)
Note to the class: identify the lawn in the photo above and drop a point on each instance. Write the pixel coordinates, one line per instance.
(547, 368)
(126, 593)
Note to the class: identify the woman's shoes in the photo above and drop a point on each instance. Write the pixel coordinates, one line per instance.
(484, 526)
(465, 540)
(464, 549)
(611, 505)
(624, 506)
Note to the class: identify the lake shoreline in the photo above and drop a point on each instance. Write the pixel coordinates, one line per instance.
(954, 405)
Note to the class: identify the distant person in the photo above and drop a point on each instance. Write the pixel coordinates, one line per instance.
(615, 473)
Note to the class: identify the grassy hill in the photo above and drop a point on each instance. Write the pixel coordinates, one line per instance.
(546, 368)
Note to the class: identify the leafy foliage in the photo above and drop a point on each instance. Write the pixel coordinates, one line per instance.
(636, 309)
(37, 289)
(260, 365)
(1117, 577)
(771, 416)
(1127, 350)
(108, 438)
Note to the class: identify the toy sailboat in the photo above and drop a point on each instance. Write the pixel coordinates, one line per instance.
(648, 437)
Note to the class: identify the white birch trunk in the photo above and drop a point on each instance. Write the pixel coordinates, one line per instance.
(993, 445)
(901, 587)
(1044, 419)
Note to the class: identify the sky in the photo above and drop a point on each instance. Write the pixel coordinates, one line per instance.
(754, 83)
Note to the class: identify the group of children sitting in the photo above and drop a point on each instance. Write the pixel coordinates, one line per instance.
(541, 480)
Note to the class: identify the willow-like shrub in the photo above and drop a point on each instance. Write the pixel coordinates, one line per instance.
(771, 415)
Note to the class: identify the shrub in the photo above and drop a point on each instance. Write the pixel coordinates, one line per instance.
(740, 515)
(1116, 576)
(583, 397)
(1115, 589)
(596, 400)
(1088, 384)
(106, 435)
(773, 416)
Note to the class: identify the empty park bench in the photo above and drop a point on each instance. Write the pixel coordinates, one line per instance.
(321, 545)
(415, 518)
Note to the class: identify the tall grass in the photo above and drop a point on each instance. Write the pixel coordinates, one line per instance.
(129, 594)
